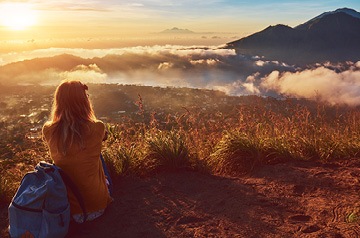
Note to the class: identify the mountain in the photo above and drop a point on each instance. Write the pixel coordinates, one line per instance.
(332, 36)
(348, 11)
(176, 30)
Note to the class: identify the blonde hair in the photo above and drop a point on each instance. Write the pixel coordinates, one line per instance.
(71, 110)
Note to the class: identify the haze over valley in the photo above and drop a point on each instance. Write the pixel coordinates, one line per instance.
(317, 58)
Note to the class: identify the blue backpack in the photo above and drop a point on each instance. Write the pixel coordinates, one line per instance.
(40, 205)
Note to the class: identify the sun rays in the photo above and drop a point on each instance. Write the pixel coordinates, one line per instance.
(17, 16)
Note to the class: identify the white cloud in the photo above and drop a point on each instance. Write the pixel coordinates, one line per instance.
(260, 63)
(90, 67)
(91, 53)
(203, 62)
(250, 87)
(192, 66)
(357, 64)
(165, 65)
(87, 74)
(330, 86)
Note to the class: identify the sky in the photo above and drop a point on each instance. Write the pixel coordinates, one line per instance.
(113, 41)
(65, 19)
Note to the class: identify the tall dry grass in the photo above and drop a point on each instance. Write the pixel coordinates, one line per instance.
(238, 141)
(221, 142)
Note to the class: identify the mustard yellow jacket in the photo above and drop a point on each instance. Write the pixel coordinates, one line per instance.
(83, 166)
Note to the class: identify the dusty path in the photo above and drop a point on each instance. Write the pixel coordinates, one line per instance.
(297, 199)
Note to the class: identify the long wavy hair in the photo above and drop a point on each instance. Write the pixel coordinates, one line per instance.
(71, 110)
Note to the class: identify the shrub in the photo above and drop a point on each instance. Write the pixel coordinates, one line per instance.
(278, 149)
(164, 150)
(235, 154)
(119, 160)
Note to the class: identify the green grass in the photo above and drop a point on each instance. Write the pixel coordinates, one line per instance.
(353, 216)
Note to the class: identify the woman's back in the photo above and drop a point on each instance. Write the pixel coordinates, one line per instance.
(74, 137)
(84, 167)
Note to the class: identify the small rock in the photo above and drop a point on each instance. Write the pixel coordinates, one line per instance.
(311, 229)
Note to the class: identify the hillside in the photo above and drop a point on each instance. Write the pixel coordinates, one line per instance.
(333, 36)
(302, 199)
(198, 163)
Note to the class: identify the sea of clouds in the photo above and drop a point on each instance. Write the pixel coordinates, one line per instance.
(190, 66)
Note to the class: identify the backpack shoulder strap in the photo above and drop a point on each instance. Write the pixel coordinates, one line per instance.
(67, 180)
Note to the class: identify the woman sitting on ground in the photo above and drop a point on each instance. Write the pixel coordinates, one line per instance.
(74, 137)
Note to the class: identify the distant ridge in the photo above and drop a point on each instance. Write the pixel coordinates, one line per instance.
(331, 36)
(176, 30)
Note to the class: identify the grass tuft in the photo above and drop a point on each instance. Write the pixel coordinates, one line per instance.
(235, 154)
(164, 150)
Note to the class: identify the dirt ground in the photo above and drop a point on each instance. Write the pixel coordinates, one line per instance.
(293, 199)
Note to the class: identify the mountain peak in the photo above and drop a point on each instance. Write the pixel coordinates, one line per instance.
(278, 27)
(176, 30)
(348, 11)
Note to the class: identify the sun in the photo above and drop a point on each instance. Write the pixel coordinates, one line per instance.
(17, 16)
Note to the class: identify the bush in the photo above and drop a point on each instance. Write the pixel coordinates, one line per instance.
(164, 150)
(119, 160)
(235, 154)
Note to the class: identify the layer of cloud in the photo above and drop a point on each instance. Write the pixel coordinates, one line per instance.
(327, 83)
(179, 66)
(321, 83)
(8, 58)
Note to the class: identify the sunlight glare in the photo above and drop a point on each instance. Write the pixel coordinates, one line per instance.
(17, 16)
